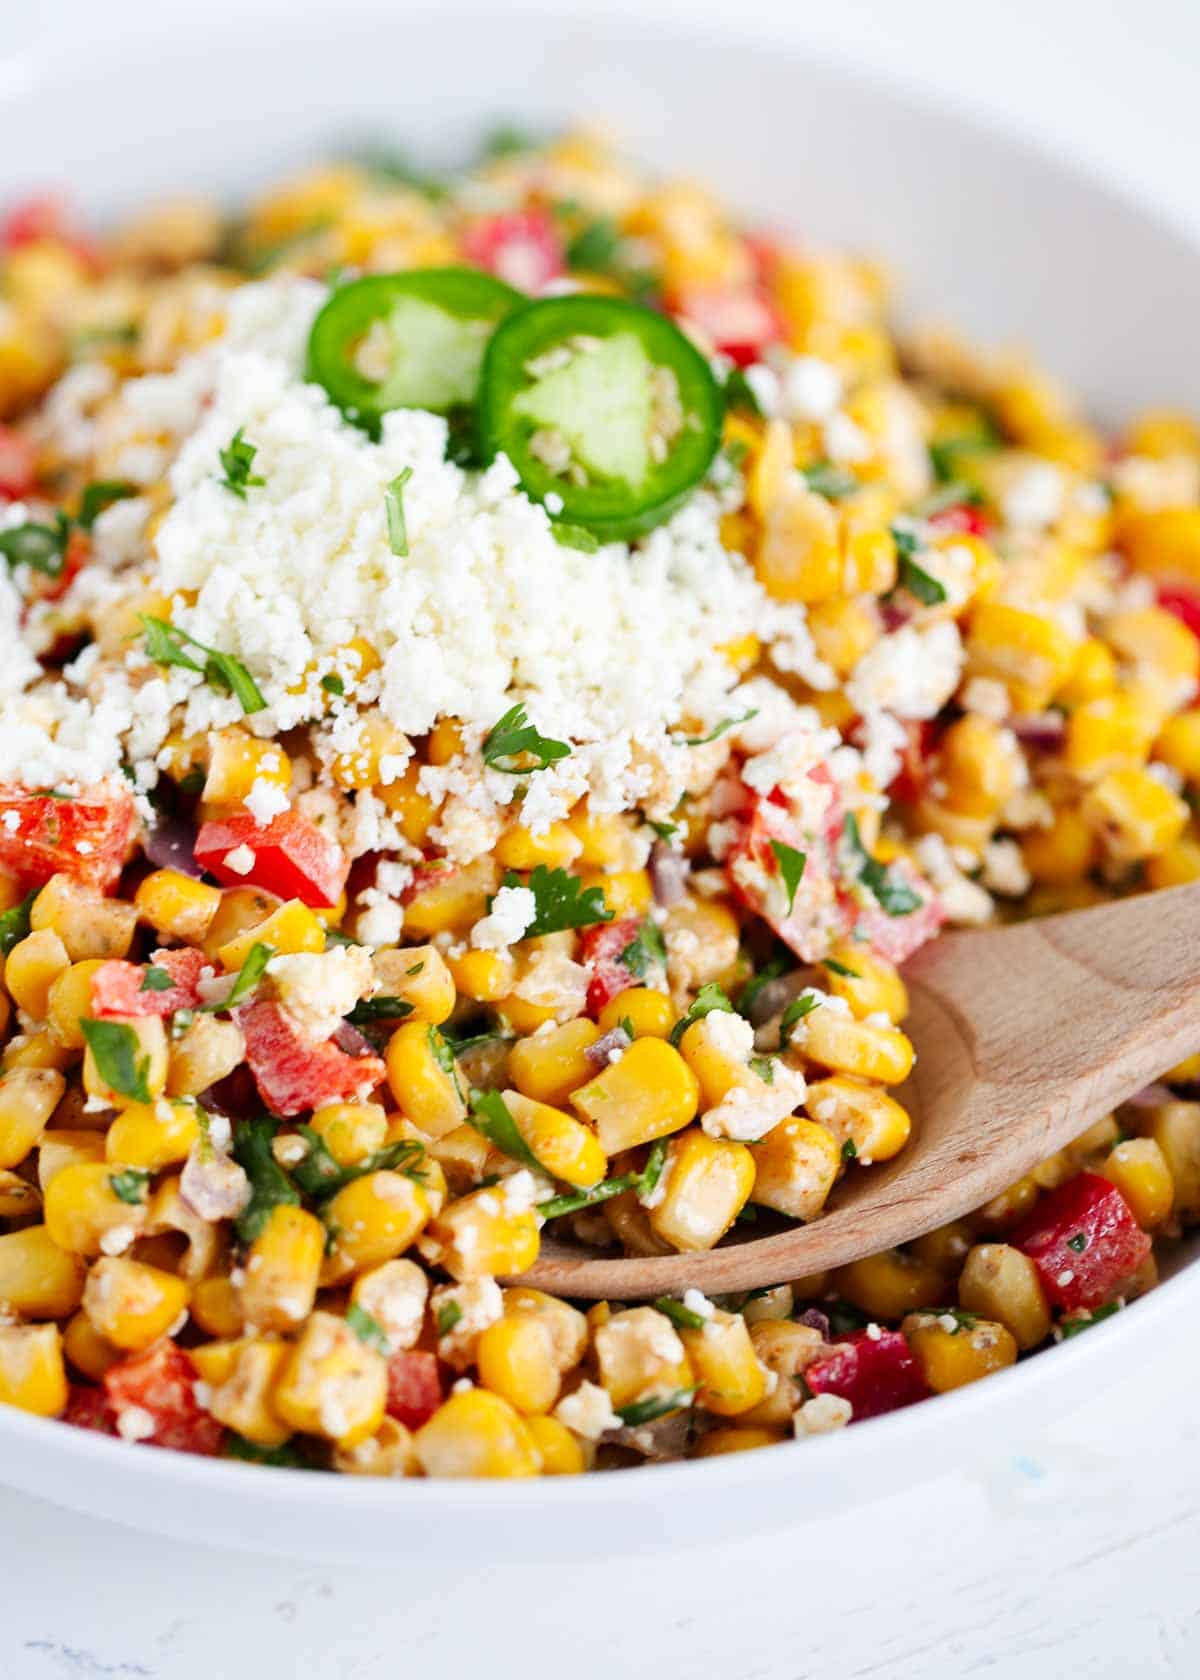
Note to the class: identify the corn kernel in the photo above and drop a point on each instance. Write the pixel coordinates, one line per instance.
(86, 1349)
(30, 968)
(202, 1055)
(451, 900)
(476, 1237)
(951, 1358)
(795, 1167)
(177, 907)
(83, 1210)
(419, 976)
(131, 1304)
(373, 1218)
(707, 1184)
(565, 1147)
(476, 1433)
(890, 1284)
(38, 1278)
(290, 929)
(236, 760)
(240, 909)
(1140, 1172)
(1001, 1283)
(640, 1356)
(856, 1047)
(88, 924)
(424, 1078)
(282, 1269)
(648, 1094)
(515, 1361)
(350, 1131)
(32, 1375)
(331, 1384)
(149, 1054)
(153, 1135)
(728, 1374)
(561, 1453)
(556, 846)
(872, 987)
(28, 1097)
(550, 1065)
(1134, 815)
(241, 1398)
(876, 1124)
(650, 1013)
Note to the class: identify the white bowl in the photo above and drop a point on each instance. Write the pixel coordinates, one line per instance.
(984, 230)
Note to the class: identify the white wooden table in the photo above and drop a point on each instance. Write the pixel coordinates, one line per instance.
(1076, 1558)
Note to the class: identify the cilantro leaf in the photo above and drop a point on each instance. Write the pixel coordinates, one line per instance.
(250, 1452)
(270, 1186)
(164, 645)
(841, 968)
(491, 1116)
(723, 728)
(708, 999)
(101, 494)
(791, 868)
(796, 1011)
(950, 456)
(41, 547)
(824, 479)
(382, 1008)
(656, 1406)
(130, 1186)
(894, 896)
(683, 1318)
(250, 973)
(513, 735)
(907, 542)
(561, 901)
(367, 1329)
(920, 583)
(849, 1150)
(447, 1316)
(333, 684)
(15, 923)
(739, 393)
(1079, 1322)
(156, 980)
(237, 459)
(319, 1175)
(393, 501)
(594, 248)
(645, 951)
(114, 1047)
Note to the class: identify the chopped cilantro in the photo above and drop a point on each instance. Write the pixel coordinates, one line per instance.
(1078, 1242)
(707, 1000)
(156, 980)
(251, 1452)
(849, 1150)
(514, 735)
(894, 896)
(114, 1047)
(655, 1406)
(248, 976)
(320, 1176)
(796, 1011)
(333, 684)
(101, 494)
(723, 728)
(665, 831)
(594, 248)
(41, 547)
(15, 923)
(382, 1008)
(491, 1116)
(844, 969)
(770, 970)
(920, 583)
(129, 1186)
(791, 868)
(447, 1316)
(764, 1067)
(164, 645)
(683, 1318)
(1083, 1321)
(739, 393)
(824, 479)
(574, 536)
(270, 1186)
(237, 459)
(561, 901)
(366, 1328)
(644, 952)
(393, 501)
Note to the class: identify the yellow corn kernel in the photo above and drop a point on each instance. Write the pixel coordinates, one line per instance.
(149, 1057)
(373, 1218)
(799, 556)
(282, 1268)
(483, 976)
(1175, 867)
(606, 841)
(863, 1115)
(630, 1224)
(1005, 1209)
(980, 765)
(153, 1135)
(414, 812)
(69, 1000)
(650, 1013)
(28, 1097)
(648, 1094)
(702, 939)
(362, 766)
(945, 1247)
(88, 924)
(452, 900)
(38, 1278)
(550, 1065)
(639, 1356)
(557, 846)
(418, 975)
(627, 892)
(1165, 542)
(32, 1375)
(476, 1433)
(202, 1055)
(856, 1047)
(83, 1210)
(1063, 853)
(350, 1131)
(1157, 650)
(64, 1147)
(872, 987)
(86, 1349)
(1134, 816)
(1093, 674)
(426, 1168)
(868, 568)
(561, 1453)
(131, 1304)
(1028, 652)
(217, 1306)
(236, 760)
(1163, 432)
(18, 1200)
(288, 930)
(707, 1184)
(424, 1078)
(1114, 732)
(445, 741)
(31, 966)
(890, 1284)
(515, 1360)
(241, 1397)
(727, 1370)
(476, 1237)
(1178, 744)
(742, 652)
(332, 1383)
(175, 906)
(565, 1324)
(795, 1167)
(565, 1147)
(41, 1049)
(951, 1358)
(738, 1438)
(1140, 1172)
(388, 1452)
(1001, 1283)
(1176, 1130)
(240, 909)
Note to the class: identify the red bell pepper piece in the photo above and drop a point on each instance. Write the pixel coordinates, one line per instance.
(43, 217)
(18, 465)
(290, 856)
(414, 1387)
(876, 1373)
(88, 1408)
(961, 520)
(756, 875)
(521, 247)
(293, 1075)
(1184, 605)
(600, 950)
(1084, 1241)
(740, 321)
(85, 836)
(119, 988)
(896, 937)
(162, 1383)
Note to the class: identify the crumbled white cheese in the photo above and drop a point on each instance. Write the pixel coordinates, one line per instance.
(513, 910)
(812, 389)
(588, 1411)
(1035, 495)
(1004, 869)
(821, 1415)
(316, 989)
(265, 801)
(697, 1302)
(753, 1107)
(910, 672)
(394, 1294)
(135, 1423)
(241, 860)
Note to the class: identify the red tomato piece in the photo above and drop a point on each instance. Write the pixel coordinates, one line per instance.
(42, 218)
(812, 919)
(740, 321)
(876, 1373)
(600, 950)
(86, 837)
(88, 1408)
(119, 988)
(414, 1390)
(162, 1383)
(1184, 605)
(521, 247)
(897, 937)
(961, 520)
(18, 465)
(292, 1075)
(1084, 1241)
(290, 856)
(916, 760)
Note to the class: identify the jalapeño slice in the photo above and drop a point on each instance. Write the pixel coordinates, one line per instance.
(410, 340)
(603, 404)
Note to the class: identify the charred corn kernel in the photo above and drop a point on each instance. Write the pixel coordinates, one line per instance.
(31, 967)
(890, 1284)
(775, 1302)
(153, 1135)
(476, 1433)
(799, 556)
(1001, 1283)
(795, 1166)
(217, 1306)
(202, 1055)
(444, 741)
(871, 987)
(86, 1349)
(419, 976)
(414, 812)
(1134, 816)
(38, 1278)
(477, 1236)
(85, 1215)
(737, 1438)
(649, 1093)
(627, 892)
(1093, 674)
(149, 1057)
(177, 907)
(130, 1304)
(556, 846)
(241, 1396)
(863, 1115)
(548, 1066)
(463, 1156)
(565, 1324)
(331, 1383)
(32, 1375)
(88, 924)
(565, 1147)
(350, 1131)
(483, 976)
(1010, 1205)
(28, 1097)
(372, 1219)
(1026, 651)
(561, 1452)
(240, 909)
(950, 1358)
(41, 1049)
(69, 1000)
(1064, 852)
(1163, 541)
(729, 1377)
(388, 1452)
(237, 760)
(1178, 744)
(981, 765)
(289, 930)
(1114, 732)
(649, 1013)
(1176, 1130)
(639, 1354)
(64, 1147)
(856, 1047)
(1140, 1172)
(424, 1078)
(18, 1199)
(707, 1184)
(451, 900)
(282, 1268)
(605, 841)
(515, 1360)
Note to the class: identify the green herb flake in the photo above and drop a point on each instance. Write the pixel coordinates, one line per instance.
(333, 684)
(683, 1318)
(514, 735)
(237, 459)
(270, 1186)
(791, 868)
(15, 923)
(575, 1201)
(415, 969)
(708, 999)
(114, 1047)
(894, 896)
(739, 394)
(165, 646)
(594, 248)
(723, 728)
(645, 952)
(1079, 1322)
(922, 585)
(320, 1176)
(156, 980)
(824, 479)
(129, 1186)
(101, 494)
(665, 831)
(652, 1171)
(492, 1118)
(382, 1008)
(1078, 1242)
(284, 1457)
(367, 1329)
(907, 542)
(794, 1013)
(40, 547)
(447, 1316)
(764, 1067)
(393, 501)
(849, 1150)
(655, 1406)
(248, 977)
(844, 969)
(752, 990)
(561, 901)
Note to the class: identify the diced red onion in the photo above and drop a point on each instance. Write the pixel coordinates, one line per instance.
(669, 871)
(600, 1052)
(815, 1320)
(1044, 730)
(169, 843)
(353, 1042)
(213, 1185)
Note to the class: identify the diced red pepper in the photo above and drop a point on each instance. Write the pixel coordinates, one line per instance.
(896, 937)
(960, 520)
(809, 922)
(414, 1387)
(599, 950)
(119, 988)
(1184, 605)
(916, 761)
(18, 465)
(88, 1408)
(1084, 1241)
(290, 856)
(292, 1075)
(521, 247)
(86, 836)
(162, 1383)
(876, 1373)
(740, 321)
(40, 218)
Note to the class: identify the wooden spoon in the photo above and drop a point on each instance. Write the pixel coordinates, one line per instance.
(1025, 1035)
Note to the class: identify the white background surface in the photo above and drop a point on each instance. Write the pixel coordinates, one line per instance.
(1078, 1555)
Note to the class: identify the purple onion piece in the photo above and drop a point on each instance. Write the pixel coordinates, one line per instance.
(669, 871)
(815, 1320)
(353, 1042)
(599, 1053)
(1044, 730)
(169, 844)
